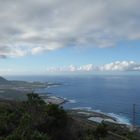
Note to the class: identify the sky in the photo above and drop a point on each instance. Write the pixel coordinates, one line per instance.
(45, 37)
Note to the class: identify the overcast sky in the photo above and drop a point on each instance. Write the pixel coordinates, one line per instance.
(69, 36)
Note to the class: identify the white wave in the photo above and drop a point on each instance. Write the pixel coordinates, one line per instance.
(97, 110)
(72, 101)
(120, 119)
(52, 86)
(83, 108)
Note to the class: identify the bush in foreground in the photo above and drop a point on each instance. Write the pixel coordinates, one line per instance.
(32, 120)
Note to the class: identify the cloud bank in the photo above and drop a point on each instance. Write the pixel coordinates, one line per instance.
(35, 26)
(114, 66)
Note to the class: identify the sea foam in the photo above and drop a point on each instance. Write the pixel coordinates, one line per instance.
(119, 118)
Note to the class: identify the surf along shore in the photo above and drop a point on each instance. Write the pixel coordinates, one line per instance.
(19, 89)
(84, 114)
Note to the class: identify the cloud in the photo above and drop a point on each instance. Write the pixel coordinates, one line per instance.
(2, 56)
(35, 26)
(114, 66)
(73, 68)
(5, 71)
(121, 66)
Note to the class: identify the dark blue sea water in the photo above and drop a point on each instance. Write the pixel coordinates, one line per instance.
(107, 93)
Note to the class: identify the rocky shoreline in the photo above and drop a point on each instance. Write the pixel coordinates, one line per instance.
(53, 99)
(96, 117)
(88, 115)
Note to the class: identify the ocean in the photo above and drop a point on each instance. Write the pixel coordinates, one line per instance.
(110, 94)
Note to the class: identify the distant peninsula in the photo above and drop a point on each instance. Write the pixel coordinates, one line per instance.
(3, 80)
(17, 90)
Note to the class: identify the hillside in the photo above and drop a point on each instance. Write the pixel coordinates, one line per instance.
(35, 120)
(3, 80)
(17, 90)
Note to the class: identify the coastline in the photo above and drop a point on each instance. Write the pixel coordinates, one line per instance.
(87, 113)
(24, 87)
(93, 115)
(97, 117)
(53, 99)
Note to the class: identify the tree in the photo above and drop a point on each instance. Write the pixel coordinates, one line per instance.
(34, 98)
(32, 120)
(101, 131)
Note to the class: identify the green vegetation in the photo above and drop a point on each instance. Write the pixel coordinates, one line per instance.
(101, 131)
(33, 119)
